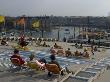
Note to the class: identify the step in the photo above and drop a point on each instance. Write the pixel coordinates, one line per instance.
(99, 66)
(78, 79)
(87, 74)
(90, 69)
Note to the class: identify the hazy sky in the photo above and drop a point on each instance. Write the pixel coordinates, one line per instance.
(55, 7)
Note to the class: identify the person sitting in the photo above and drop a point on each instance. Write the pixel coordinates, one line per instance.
(53, 61)
(53, 51)
(81, 54)
(81, 46)
(40, 40)
(85, 49)
(22, 41)
(3, 42)
(86, 54)
(64, 39)
(95, 48)
(77, 53)
(76, 45)
(89, 41)
(45, 45)
(38, 43)
(68, 53)
(33, 60)
(60, 52)
(56, 46)
(17, 55)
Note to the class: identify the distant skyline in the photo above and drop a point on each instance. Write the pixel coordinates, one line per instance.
(55, 7)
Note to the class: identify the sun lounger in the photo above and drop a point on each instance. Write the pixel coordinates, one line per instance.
(15, 61)
(16, 64)
(32, 65)
(53, 68)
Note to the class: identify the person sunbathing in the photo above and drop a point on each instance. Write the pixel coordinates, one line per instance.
(61, 52)
(17, 55)
(81, 54)
(85, 49)
(33, 60)
(3, 42)
(45, 45)
(86, 54)
(76, 45)
(57, 46)
(81, 46)
(53, 51)
(22, 41)
(40, 40)
(77, 53)
(68, 53)
(38, 43)
(95, 48)
(53, 61)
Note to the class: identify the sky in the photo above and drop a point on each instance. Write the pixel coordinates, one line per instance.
(55, 7)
